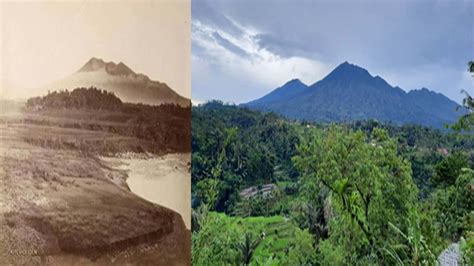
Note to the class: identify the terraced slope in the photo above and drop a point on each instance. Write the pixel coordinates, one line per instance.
(276, 238)
(60, 204)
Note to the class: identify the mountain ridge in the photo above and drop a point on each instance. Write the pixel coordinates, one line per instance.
(120, 69)
(349, 92)
(290, 88)
(120, 79)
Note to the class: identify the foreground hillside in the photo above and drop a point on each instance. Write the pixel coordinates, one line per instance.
(358, 193)
(351, 93)
(65, 199)
(257, 240)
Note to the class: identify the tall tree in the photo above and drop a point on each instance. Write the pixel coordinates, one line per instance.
(466, 122)
(370, 186)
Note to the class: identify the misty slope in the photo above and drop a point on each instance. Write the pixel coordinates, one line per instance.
(121, 80)
(351, 93)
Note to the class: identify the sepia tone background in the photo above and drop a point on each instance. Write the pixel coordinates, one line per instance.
(46, 40)
(95, 133)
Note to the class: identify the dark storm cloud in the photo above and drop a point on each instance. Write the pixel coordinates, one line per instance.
(229, 45)
(416, 29)
(399, 40)
(203, 12)
(285, 47)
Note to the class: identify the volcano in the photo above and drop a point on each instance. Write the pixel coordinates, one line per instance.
(120, 79)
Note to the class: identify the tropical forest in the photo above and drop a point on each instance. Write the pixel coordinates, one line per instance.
(268, 190)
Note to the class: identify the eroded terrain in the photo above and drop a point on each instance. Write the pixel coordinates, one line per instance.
(60, 203)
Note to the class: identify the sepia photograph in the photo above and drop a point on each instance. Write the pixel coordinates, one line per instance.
(95, 133)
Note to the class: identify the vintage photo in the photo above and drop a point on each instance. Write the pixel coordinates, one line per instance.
(95, 133)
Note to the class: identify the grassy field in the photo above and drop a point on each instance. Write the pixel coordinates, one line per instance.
(276, 240)
(61, 204)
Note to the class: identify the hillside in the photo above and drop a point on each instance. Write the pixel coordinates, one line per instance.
(351, 93)
(340, 191)
(67, 162)
(158, 129)
(283, 241)
(121, 80)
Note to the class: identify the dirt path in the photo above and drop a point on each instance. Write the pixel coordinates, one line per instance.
(450, 256)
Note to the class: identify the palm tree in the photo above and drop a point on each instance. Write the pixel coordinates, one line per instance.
(415, 250)
(466, 122)
(247, 247)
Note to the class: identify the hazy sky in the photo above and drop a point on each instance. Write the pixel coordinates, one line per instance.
(243, 49)
(44, 42)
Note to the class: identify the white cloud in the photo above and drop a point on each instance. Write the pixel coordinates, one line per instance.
(261, 69)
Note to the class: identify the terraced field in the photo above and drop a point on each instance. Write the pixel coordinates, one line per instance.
(276, 238)
(61, 204)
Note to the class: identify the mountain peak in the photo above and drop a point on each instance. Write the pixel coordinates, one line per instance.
(294, 82)
(347, 70)
(121, 69)
(287, 91)
(96, 64)
(351, 93)
(424, 91)
(348, 66)
(92, 65)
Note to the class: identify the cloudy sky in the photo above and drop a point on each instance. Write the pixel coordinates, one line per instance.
(44, 41)
(243, 49)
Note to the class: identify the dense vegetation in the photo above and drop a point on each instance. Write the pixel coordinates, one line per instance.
(466, 122)
(239, 149)
(361, 193)
(90, 98)
(165, 128)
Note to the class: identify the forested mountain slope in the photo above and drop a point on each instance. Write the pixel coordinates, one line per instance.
(351, 93)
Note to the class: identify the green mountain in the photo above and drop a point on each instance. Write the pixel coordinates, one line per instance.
(351, 93)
